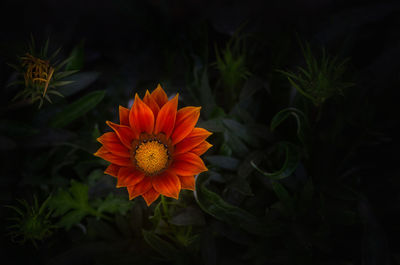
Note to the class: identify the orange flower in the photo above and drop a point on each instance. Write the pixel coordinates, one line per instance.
(155, 149)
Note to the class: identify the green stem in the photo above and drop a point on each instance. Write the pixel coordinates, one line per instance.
(164, 205)
(97, 214)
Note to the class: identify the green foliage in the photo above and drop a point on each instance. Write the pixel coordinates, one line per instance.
(231, 64)
(42, 75)
(77, 109)
(73, 205)
(282, 187)
(321, 79)
(303, 126)
(76, 58)
(214, 205)
(32, 222)
(292, 159)
(163, 247)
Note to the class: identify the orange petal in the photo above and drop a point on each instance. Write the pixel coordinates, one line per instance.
(112, 170)
(123, 116)
(149, 100)
(110, 157)
(159, 96)
(140, 188)
(188, 164)
(102, 150)
(166, 117)
(187, 182)
(125, 134)
(168, 184)
(201, 148)
(112, 143)
(196, 137)
(186, 119)
(141, 117)
(129, 176)
(150, 196)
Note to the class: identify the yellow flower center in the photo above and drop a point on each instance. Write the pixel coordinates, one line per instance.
(151, 156)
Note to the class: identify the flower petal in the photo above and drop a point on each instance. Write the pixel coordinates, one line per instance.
(186, 119)
(159, 96)
(140, 188)
(110, 157)
(150, 196)
(112, 170)
(112, 143)
(149, 100)
(196, 137)
(124, 133)
(168, 184)
(129, 176)
(123, 116)
(166, 117)
(201, 148)
(188, 164)
(187, 182)
(141, 117)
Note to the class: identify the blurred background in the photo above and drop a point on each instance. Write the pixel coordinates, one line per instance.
(310, 85)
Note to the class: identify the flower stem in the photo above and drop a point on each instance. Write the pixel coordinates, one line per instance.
(164, 205)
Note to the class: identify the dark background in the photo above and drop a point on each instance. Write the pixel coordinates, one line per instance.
(135, 44)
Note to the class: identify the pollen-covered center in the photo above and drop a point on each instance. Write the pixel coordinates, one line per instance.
(151, 156)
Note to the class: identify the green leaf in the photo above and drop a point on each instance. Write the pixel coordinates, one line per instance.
(206, 95)
(163, 247)
(214, 205)
(77, 82)
(224, 162)
(71, 218)
(237, 145)
(213, 125)
(77, 58)
(301, 120)
(77, 109)
(241, 185)
(72, 204)
(292, 159)
(283, 196)
(113, 204)
(239, 130)
(188, 216)
(61, 75)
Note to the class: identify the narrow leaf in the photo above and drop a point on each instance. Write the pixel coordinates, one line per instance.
(77, 109)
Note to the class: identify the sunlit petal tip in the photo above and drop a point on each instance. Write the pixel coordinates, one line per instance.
(166, 117)
(112, 170)
(126, 134)
(101, 151)
(187, 182)
(149, 100)
(123, 115)
(167, 184)
(141, 117)
(150, 196)
(159, 96)
(201, 148)
(186, 119)
(188, 164)
(140, 188)
(191, 141)
(129, 176)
